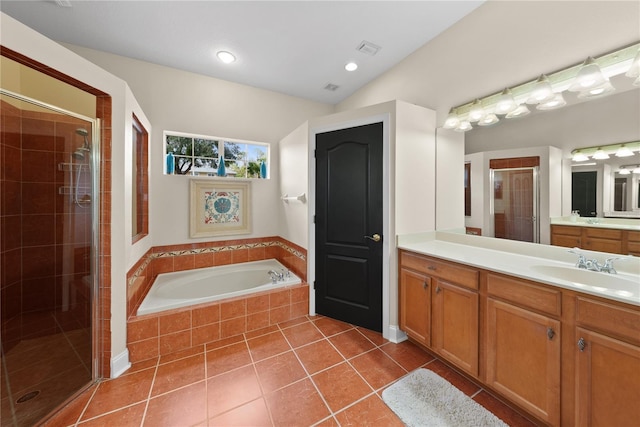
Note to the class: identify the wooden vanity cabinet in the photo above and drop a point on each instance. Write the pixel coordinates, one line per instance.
(523, 346)
(633, 243)
(607, 357)
(608, 240)
(602, 240)
(564, 357)
(415, 305)
(567, 236)
(439, 306)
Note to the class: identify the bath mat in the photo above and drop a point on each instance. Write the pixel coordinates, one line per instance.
(423, 398)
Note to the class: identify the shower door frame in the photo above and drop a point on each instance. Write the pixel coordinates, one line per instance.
(95, 160)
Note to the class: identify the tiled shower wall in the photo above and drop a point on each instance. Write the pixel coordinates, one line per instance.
(45, 236)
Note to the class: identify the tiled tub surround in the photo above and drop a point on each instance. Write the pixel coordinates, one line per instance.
(162, 333)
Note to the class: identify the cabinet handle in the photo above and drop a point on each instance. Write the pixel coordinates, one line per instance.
(581, 344)
(431, 267)
(438, 289)
(550, 333)
(424, 285)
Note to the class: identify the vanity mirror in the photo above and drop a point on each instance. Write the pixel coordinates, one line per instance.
(554, 135)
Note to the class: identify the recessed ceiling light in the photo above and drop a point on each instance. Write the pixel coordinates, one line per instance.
(226, 57)
(351, 66)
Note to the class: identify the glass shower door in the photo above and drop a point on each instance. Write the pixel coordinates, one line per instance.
(49, 240)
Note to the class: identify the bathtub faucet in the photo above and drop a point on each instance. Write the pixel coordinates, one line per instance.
(275, 276)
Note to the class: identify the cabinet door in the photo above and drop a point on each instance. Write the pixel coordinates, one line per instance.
(602, 245)
(455, 325)
(523, 358)
(415, 305)
(607, 382)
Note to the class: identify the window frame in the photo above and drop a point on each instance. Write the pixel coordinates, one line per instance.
(220, 152)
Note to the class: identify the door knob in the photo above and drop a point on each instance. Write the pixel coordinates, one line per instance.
(376, 237)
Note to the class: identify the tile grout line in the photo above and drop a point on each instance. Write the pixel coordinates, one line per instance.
(331, 414)
(153, 381)
(255, 371)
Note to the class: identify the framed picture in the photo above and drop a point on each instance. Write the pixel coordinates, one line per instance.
(219, 208)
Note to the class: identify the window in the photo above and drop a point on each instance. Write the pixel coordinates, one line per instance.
(140, 182)
(199, 155)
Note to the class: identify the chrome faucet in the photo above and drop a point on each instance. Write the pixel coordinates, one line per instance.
(582, 260)
(593, 264)
(275, 276)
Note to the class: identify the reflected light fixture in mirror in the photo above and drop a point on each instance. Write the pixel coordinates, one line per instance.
(591, 79)
(603, 152)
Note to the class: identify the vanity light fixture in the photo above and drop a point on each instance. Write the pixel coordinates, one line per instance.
(226, 57)
(463, 126)
(634, 70)
(452, 121)
(506, 103)
(589, 76)
(590, 79)
(488, 120)
(605, 151)
(541, 92)
(579, 156)
(476, 112)
(624, 151)
(556, 102)
(520, 111)
(600, 154)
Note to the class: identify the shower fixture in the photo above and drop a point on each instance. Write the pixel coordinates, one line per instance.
(79, 155)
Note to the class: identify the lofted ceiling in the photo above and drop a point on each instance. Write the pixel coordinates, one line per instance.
(292, 47)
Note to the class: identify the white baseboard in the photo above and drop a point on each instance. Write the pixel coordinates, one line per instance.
(120, 364)
(396, 335)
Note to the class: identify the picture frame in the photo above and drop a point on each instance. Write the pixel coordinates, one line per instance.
(219, 208)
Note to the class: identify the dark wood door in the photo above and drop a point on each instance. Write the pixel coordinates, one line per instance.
(348, 284)
(583, 193)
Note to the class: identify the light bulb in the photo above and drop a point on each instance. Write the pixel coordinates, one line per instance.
(541, 92)
(464, 126)
(624, 152)
(226, 57)
(623, 171)
(600, 154)
(506, 103)
(476, 112)
(588, 77)
(578, 156)
(520, 111)
(556, 102)
(452, 121)
(488, 120)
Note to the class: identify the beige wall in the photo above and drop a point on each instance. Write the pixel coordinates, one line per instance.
(501, 44)
(186, 102)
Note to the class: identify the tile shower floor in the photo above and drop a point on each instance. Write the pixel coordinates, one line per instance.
(310, 371)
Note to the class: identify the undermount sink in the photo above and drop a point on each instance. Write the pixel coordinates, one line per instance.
(612, 284)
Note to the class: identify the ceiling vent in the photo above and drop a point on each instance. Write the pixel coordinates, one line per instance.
(368, 48)
(331, 87)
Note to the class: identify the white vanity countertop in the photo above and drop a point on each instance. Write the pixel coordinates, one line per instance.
(547, 264)
(616, 223)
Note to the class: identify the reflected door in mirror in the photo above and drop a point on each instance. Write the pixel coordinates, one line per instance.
(583, 193)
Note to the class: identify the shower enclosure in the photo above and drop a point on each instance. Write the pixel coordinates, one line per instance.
(49, 215)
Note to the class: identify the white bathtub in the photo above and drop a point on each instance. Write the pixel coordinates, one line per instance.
(190, 287)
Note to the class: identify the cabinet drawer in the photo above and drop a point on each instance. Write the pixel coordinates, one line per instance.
(608, 318)
(525, 294)
(602, 245)
(464, 276)
(567, 230)
(633, 236)
(633, 248)
(603, 233)
(566, 241)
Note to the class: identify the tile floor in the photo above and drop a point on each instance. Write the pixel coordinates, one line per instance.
(309, 371)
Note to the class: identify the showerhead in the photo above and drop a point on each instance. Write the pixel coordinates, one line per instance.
(84, 133)
(78, 154)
